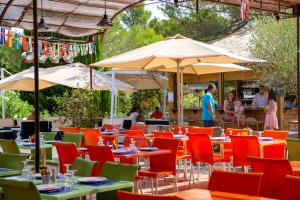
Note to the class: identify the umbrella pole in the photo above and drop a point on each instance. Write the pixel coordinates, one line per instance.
(2, 95)
(181, 95)
(112, 100)
(298, 71)
(178, 94)
(36, 88)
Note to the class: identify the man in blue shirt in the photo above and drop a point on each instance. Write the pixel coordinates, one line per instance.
(208, 107)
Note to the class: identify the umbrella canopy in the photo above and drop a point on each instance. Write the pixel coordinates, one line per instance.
(24, 81)
(141, 80)
(174, 52)
(77, 75)
(170, 53)
(208, 68)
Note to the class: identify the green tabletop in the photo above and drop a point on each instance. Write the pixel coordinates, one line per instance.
(10, 172)
(81, 190)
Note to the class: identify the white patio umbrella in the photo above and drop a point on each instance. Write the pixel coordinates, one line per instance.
(24, 81)
(175, 52)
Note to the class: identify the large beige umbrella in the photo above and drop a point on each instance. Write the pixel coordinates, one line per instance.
(24, 81)
(77, 75)
(174, 52)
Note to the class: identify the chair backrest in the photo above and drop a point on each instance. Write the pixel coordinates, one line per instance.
(141, 127)
(48, 136)
(74, 138)
(83, 167)
(9, 146)
(118, 171)
(201, 148)
(166, 135)
(134, 133)
(139, 141)
(280, 135)
(235, 131)
(293, 146)
(12, 161)
(203, 130)
(242, 147)
(15, 189)
(91, 136)
(67, 153)
(274, 171)
(101, 154)
(235, 182)
(290, 188)
(169, 160)
(70, 129)
(109, 127)
(122, 195)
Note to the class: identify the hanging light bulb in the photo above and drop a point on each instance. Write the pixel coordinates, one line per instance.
(105, 22)
(42, 24)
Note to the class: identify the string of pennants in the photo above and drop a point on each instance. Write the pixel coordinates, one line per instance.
(47, 50)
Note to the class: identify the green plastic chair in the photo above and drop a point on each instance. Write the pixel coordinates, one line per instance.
(117, 171)
(293, 146)
(15, 189)
(73, 137)
(83, 167)
(9, 146)
(12, 161)
(48, 136)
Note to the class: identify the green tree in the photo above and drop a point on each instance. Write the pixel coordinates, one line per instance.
(275, 42)
(137, 16)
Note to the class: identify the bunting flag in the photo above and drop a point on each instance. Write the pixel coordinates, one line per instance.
(47, 50)
(244, 9)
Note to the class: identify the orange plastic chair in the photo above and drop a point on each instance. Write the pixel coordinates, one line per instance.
(100, 154)
(70, 129)
(204, 130)
(242, 148)
(157, 169)
(110, 127)
(166, 135)
(91, 136)
(67, 153)
(235, 182)
(274, 171)
(122, 195)
(280, 135)
(134, 133)
(290, 188)
(202, 151)
(139, 127)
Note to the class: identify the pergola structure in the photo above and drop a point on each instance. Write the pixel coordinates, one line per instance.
(77, 18)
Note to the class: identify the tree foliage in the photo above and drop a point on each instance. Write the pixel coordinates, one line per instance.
(275, 42)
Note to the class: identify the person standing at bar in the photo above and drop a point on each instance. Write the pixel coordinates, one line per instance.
(208, 107)
(271, 121)
(261, 98)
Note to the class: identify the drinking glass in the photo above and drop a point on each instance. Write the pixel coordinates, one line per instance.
(223, 132)
(186, 130)
(250, 132)
(68, 177)
(42, 141)
(18, 139)
(230, 132)
(179, 130)
(132, 146)
(260, 133)
(100, 141)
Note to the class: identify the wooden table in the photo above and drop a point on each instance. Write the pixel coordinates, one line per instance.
(202, 194)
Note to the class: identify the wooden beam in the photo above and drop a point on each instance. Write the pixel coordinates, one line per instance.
(5, 10)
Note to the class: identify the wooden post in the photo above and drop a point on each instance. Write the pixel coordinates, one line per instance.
(280, 112)
(221, 89)
(298, 69)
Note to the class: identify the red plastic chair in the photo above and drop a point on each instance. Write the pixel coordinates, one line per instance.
(67, 153)
(274, 171)
(139, 127)
(166, 135)
(204, 130)
(235, 182)
(70, 129)
(134, 133)
(280, 135)
(164, 164)
(202, 151)
(242, 148)
(139, 142)
(122, 195)
(100, 154)
(290, 188)
(91, 136)
(235, 131)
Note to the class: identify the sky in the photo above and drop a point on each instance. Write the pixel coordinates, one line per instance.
(155, 11)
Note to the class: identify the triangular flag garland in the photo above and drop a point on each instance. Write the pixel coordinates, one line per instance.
(244, 9)
(47, 50)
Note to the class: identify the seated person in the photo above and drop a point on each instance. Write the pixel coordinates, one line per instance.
(239, 113)
(157, 114)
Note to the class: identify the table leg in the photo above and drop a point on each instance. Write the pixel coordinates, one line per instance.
(185, 160)
(44, 155)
